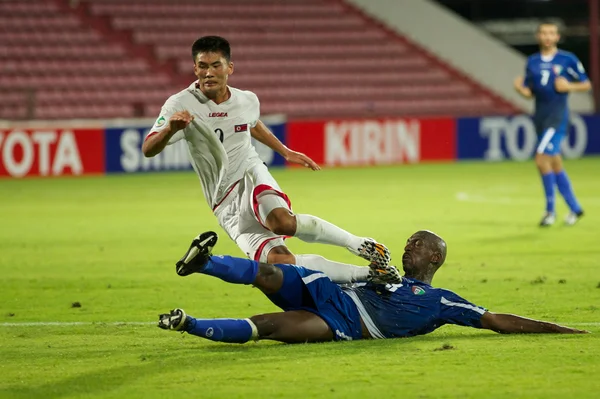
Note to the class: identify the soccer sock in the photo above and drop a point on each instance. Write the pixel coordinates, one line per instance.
(340, 273)
(222, 330)
(566, 190)
(230, 269)
(549, 180)
(313, 229)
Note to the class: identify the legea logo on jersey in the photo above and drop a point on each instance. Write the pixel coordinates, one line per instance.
(160, 121)
(418, 290)
(217, 115)
(241, 128)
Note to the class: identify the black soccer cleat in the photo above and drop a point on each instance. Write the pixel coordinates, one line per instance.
(196, 257)
(175, 320)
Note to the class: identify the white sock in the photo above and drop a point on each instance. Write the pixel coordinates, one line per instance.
(340, 273)
(313, 229)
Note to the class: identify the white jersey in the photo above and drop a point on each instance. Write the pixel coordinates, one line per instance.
(218, 138)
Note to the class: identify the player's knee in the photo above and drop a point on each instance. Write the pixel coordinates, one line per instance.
(282, 222)
(557, 164)
(277, 258)
(269, 278)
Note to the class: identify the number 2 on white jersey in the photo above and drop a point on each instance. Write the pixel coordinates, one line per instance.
(219, 133)
(545, 77)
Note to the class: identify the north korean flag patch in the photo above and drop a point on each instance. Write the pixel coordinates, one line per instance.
(241, 128)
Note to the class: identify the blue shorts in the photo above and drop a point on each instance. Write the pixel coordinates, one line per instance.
(551, 136)
(305, 289)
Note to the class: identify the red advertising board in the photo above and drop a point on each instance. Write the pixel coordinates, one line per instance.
(51, 152)
(374, 141)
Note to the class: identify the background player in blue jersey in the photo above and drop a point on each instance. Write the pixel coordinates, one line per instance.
(550, 76)
(315, 309)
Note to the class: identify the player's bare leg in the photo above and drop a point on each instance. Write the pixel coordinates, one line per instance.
(544, 163)
(295, 326)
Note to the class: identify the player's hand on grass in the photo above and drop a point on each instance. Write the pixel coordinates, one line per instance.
(562, 85)
(576, 331)
(180, 120)
(301, 159)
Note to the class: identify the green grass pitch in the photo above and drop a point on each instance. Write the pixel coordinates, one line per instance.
(110, 243)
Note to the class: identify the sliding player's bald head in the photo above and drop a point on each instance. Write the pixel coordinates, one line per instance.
(424, 253)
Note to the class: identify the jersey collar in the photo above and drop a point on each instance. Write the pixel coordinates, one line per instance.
(196, 87)
(548, 58)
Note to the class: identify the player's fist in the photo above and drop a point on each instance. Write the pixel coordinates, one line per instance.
(180, 120)
(562, 85)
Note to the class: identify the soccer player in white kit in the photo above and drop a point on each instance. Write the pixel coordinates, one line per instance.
(217, 121)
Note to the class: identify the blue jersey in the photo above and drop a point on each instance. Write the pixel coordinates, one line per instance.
(551, 107)
(411, 308)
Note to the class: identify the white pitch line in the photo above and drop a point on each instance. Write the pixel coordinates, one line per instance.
(75, 323)
(466, 197)
(146, 323)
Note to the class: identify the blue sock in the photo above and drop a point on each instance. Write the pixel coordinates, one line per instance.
(221, 330)
(230, 269)
(549, 180)
(566, 190)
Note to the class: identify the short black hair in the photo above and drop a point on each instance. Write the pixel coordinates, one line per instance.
(211, 44)
(548, 22)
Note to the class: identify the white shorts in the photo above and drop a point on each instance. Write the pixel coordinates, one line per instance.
(238, 213)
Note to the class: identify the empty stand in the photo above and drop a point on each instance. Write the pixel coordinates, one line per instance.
(70, 68)
(304, 58)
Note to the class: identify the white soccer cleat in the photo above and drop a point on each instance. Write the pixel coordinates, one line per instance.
(384, 275)
(572, 218)
(374, 252)
(548, 220)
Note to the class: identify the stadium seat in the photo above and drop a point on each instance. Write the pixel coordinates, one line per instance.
(302, 57)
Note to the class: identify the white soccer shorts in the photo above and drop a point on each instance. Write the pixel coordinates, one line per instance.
(238, 213)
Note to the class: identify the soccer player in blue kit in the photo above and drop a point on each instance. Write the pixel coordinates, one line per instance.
(315, 309)
(550, 76)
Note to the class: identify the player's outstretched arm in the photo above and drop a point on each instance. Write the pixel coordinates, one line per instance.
(512, 324)
(156, 142)
(262, 133)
